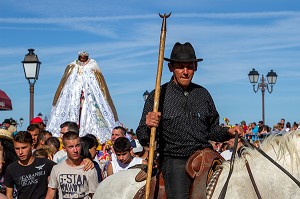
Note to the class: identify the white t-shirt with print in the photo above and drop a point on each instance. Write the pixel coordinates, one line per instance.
(73, 182)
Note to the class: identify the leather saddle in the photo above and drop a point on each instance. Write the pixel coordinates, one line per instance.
(157, 187)
(200, 167)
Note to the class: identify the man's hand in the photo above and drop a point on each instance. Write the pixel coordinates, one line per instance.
(152, 119)
(234, 130)
(88, 164)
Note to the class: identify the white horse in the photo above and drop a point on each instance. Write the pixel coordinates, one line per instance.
(272, 183)
(270, 180)
(121, 185)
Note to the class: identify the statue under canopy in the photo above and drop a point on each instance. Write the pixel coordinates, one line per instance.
(83, 97)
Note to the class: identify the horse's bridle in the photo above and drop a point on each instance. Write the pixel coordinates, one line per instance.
(246, 143)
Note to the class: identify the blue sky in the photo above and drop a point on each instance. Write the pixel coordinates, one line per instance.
(123, 37)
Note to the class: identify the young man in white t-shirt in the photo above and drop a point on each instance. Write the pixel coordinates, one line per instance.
(68, 176)
(125, 160)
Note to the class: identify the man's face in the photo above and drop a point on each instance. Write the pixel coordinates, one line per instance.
(124, 157)
(116, 133)
(23, 150)
(183, 72)
(63, 131)
(72, 147)
(34, 134)
(42, 142)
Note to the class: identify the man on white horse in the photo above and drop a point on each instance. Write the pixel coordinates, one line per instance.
(186, 121)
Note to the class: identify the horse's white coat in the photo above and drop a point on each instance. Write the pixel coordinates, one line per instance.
(271, 181)
(121, 185)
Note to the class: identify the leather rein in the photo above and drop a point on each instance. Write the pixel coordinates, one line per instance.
(246, 143)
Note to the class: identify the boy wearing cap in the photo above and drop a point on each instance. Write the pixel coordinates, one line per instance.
(34, 131)
(187, 119)
(39, 122)
(138, 150)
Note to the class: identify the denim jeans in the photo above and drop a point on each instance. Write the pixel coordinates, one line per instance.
(177, 183)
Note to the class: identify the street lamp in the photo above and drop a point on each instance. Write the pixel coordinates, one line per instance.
(31, 65)
(145, 95)
(21, 120)
(40, 115)
(45, 120)
(263, 86)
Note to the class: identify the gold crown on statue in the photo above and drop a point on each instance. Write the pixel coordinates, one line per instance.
(83, 53)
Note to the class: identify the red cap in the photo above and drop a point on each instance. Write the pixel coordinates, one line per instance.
(36, 120)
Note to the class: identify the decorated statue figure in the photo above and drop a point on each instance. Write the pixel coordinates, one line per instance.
(83, 97)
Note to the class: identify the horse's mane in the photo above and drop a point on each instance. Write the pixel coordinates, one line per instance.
(284, 148)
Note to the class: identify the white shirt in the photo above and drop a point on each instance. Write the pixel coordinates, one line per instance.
(60, 156)
(118, 166)
(226, 154)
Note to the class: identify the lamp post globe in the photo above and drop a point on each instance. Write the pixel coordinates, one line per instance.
(272, 77)
(45, 120)
(253, 76)
(40, 115)
(31, 66)
(145, 95)
(21, 120)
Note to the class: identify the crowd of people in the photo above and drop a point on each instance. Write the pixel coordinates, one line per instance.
(75, 165)
(258, 131)
(29, 157)
(71, 164)
(255, 133)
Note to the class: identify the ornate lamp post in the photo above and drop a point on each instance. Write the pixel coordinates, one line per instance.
(263, 86)
(145, 95)
(31, 65)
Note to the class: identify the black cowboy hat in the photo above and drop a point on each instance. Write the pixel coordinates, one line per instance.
(183, 53)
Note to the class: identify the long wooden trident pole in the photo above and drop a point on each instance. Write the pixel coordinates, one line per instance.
(156, 99)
